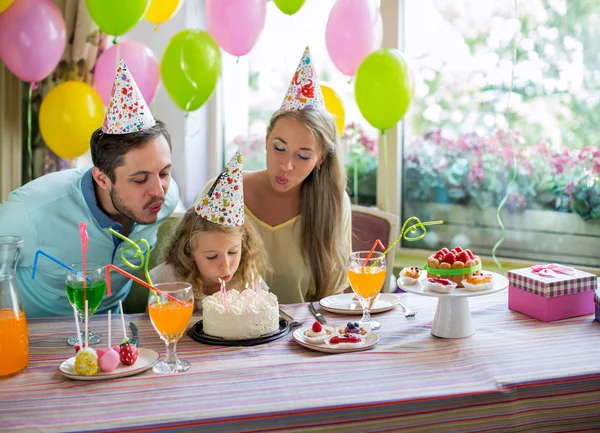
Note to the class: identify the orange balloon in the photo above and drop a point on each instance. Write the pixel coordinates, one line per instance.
(334, 105)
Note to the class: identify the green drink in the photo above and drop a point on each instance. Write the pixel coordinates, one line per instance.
(94, 293)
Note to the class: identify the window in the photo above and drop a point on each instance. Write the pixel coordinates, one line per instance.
(254, 87)
(460, 160)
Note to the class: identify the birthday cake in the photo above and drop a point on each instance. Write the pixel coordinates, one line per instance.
(455, 260)
(240, 316)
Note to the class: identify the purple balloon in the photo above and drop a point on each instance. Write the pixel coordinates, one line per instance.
(354, 30)
(32, 38)
(236, 24)
(141, 62)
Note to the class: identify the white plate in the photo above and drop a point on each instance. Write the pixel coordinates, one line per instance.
(500, 283)
(343, 304)
(371, 339)
(146, 359)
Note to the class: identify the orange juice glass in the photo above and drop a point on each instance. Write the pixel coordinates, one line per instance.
(170, 313)
(14, 342)
(366, 279)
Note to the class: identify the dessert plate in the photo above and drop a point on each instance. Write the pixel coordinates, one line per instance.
(345, 304)
(146, 359)
(298, 335)
(197, 333)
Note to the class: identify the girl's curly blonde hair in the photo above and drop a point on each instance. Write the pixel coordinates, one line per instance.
(179, 254)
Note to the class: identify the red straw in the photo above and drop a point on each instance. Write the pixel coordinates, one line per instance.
(377, 242)
(137, 280)
(84, 246)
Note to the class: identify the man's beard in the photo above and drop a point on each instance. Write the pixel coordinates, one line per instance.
(127, 212)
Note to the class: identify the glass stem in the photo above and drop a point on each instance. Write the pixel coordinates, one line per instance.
(366, 317)
(171, 356)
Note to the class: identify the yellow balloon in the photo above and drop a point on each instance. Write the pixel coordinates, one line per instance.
(162, 10)
(69, 114)
(4, 4)
(334, 105)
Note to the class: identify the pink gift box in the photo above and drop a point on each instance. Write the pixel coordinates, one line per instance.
(550, 298)
(597, 302)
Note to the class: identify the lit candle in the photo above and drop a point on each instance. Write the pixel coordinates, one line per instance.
(253, 287)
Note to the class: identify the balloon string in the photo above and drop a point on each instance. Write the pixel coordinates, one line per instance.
(29, 135)
(510, 144)
(385, 166)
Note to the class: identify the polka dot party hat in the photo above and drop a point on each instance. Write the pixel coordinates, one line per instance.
(304, 92)
(127, 110)
(224, 202)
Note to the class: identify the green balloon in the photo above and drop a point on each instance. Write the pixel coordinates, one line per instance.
(117, 17)
(190, 68)
(289, 7)
(383, 88)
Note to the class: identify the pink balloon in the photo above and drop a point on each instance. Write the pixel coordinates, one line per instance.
(141, 63)
(236, 24)
(32, 38)
(354, 30)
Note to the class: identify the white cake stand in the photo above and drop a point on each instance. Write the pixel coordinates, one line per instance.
(453, 316)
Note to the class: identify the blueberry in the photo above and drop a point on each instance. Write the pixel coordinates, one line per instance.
(350, 325)
(356, 325)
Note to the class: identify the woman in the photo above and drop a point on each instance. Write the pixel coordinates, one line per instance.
(299, 202)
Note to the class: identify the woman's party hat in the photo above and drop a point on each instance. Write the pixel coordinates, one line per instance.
(127, 110)
(304, 92)
(224, 202)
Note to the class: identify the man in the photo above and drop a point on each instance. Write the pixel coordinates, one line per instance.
(129, 189)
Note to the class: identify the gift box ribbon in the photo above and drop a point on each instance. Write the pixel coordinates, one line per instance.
(552, 270)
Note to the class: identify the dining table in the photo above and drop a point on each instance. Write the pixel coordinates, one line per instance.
(514, 373)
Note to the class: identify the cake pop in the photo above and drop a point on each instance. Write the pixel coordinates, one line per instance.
(108, 359)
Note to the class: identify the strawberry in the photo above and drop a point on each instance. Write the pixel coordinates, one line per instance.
(445, 250)
(129, 353)
(450, 258)
(77, 348)
(458, 249)
(439, 255)
(470, 254)
(463, 257)
(316, 327)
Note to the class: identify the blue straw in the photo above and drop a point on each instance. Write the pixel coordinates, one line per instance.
(35, 260)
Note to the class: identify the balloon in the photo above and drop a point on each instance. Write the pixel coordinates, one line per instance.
(69, 114)
(334, 105)
(141, 63)
(117, 17)
(236, 24)
(32, 38)
(162, 10)
(384, 88)
(354, 30)
(190, 68)
(4, 4)
(289, 7)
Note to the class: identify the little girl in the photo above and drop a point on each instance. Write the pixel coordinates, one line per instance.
(213, 243)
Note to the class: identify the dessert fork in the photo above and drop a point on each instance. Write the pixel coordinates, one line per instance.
(407, 311)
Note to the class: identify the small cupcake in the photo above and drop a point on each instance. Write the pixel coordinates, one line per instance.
(352, 341)
(352, 328)
(440, 285)
(410, 276)
(478, 283)
(317, 334)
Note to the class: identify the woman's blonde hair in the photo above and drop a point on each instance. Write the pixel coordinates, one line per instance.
(324, 243)
(180, 253)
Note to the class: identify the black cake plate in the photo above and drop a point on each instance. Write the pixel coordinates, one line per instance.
(197, 333)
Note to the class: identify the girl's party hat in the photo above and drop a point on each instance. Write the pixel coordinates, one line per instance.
(304, 92)
(127, 110)
(224, 202)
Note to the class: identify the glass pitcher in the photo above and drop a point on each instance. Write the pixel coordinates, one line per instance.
(14, 339)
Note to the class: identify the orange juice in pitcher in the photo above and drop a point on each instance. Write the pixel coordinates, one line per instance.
(14, 340)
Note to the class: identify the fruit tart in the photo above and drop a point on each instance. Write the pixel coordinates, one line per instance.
(477, 283)
(456, 258)
(317, 333)
(410, 275)
(440, 285)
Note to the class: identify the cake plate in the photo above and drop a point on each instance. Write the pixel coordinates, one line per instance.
(453, 316)
(197, 333)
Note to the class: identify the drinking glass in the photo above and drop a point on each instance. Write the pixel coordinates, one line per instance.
(366, 279)
(170, 313)
(93, 290)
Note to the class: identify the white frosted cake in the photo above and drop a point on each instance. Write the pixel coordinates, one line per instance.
(247, 315)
